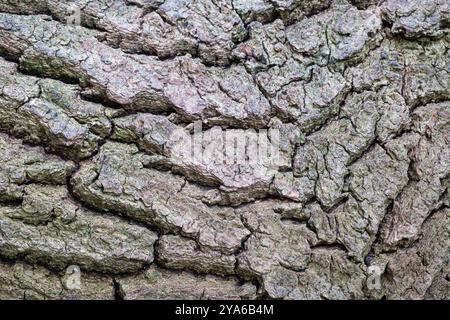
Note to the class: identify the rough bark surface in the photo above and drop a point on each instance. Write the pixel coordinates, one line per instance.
(93, 184)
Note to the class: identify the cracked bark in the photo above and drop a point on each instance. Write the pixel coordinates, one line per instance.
(91, 176)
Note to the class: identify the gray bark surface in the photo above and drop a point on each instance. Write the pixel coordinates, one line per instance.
(93, 185)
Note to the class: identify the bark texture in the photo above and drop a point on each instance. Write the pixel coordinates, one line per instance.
(94, 188)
